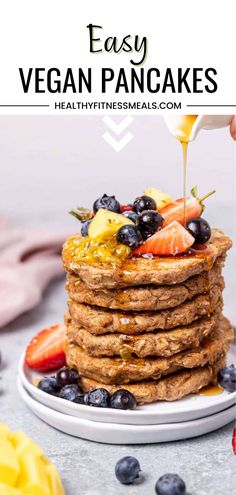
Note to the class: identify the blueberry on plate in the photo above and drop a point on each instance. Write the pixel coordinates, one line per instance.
(49, 385)
(199, 229)
(227, 378)
(84, 227)
(149, 222)
(123, 399)
(127, 470)
(132, 216)
(67, 376)
(108, 203)
(144, 203)
(99, 397)
(129, 235)
(70, 392)
(170, 484)
(79, 399)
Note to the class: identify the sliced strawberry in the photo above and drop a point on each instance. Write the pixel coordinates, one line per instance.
(175, 211)
(125, 208)
(46, 351)
(173, 239)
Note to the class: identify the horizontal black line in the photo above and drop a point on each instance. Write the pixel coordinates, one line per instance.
(211, 105)
(24, 105)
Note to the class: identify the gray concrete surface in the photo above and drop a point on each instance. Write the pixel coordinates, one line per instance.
(47, 166)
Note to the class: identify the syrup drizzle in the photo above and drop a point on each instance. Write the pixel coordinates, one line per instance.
(183, 133)
(211, 390)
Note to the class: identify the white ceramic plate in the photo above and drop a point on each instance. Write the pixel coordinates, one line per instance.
(186, 409)
(124, 434)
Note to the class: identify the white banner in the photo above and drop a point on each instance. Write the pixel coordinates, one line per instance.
(104, 57)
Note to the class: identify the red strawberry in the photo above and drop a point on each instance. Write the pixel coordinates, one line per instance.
(46, 351)
(175, 211)
(234, 440)
(125, 208)
(173, 239)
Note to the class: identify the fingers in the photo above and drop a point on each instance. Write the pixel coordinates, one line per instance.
(233, 128)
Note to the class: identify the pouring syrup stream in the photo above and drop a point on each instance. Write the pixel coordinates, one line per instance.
(183, 133)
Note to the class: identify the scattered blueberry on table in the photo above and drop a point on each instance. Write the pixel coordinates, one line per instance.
(127, 470)
(170, 484)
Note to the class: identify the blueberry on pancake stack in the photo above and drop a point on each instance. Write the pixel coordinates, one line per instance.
(145, 303)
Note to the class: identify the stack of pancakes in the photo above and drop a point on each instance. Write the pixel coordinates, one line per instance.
(153, 326)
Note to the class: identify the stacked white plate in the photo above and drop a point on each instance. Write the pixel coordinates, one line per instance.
(159, 422)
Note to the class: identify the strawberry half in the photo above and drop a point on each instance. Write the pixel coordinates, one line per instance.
(175, 211)
(173, 239)
(46, 351)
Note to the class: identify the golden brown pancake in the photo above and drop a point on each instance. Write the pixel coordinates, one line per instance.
(101, 320)
(147, 344)
(142, 271)
(169, 388)
(116, 370)
(146, 298)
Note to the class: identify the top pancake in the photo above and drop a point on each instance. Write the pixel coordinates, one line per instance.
(143, 271)
(147, 297)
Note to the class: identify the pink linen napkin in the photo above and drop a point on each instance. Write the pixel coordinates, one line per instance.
(28, 261)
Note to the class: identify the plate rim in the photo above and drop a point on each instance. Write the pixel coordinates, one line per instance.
(75, 419)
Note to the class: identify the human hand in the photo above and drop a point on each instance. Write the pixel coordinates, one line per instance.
(233, 128)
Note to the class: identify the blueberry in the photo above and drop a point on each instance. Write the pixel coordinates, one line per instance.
(144, 203)
(123, 399)
(70, 392)
(199, 229)
(170, 484)
(84, 227)
(131, 215)
(99, 397)
(108, 202)
(79, 399)
(149, 222)
(227, 378)
(129, 235)
(127, 470)
(49, 385)
(67, 376)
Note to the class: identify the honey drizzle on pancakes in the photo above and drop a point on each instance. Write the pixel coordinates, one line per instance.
(211, 390)
(183, 133)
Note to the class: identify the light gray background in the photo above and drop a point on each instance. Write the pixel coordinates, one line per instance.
(47, 166)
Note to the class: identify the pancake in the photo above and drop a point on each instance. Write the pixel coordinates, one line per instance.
(146, 298)
(170, 388)
(142, 271)
(100, 320)
(148, 344)
(116, 370)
